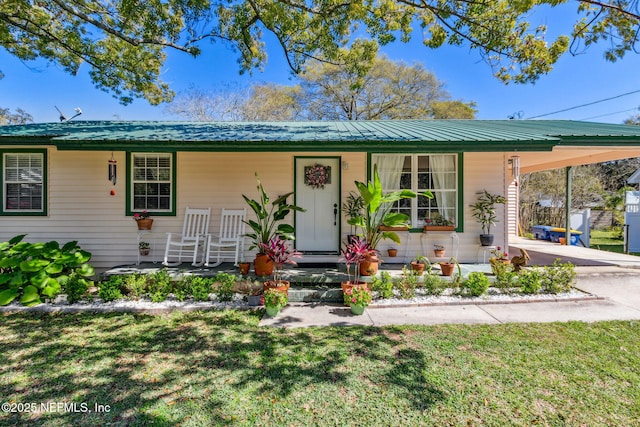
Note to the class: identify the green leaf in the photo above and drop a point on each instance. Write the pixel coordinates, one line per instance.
(30, 296)
(54, 268)
(8, 295)
(85, 270)
(52, 289)
(33, 265)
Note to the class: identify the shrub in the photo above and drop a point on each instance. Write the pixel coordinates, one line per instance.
(383, 285)
(32, 271)
(225, 282)
(475, 285)
(558, 277)
(110, 290)
(135, 285)
(76, 288)
(433, 284)
(199, 287)
(505, 276)
(180, 289)
(274, 298)
(530, 281)
(407, 284)
(159, 285)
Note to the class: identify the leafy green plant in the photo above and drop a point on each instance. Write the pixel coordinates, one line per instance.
(484, 210)
(275, 298)
(353, 207)
(269, 217)
(530, 281)
(225, 283)
(159, 285)
(383, 284)
(76, 287)
(135, 285)
(433, 284)
(407, 284)
(558, 277)
(475, 284)
(199, 287)
(110, 290)
(377, 211)
(180, 289)
(505, 276)
(33, 271)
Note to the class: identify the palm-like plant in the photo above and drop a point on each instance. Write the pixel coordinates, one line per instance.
(269, 217)
(377, 210)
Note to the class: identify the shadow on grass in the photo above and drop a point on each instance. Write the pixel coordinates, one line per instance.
(185, 367)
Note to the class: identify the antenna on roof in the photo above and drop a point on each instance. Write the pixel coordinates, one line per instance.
(63, 118)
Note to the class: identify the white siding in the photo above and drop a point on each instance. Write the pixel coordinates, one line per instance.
(81, 208)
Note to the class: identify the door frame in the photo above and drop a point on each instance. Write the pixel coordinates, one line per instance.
(339, 184)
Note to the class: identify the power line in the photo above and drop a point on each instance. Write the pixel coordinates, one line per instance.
(583, 105)
(611, 114)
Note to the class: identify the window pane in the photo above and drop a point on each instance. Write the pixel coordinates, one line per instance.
(151, 182)
(23, 182)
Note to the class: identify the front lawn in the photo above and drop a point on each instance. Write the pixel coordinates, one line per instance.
(220, 368)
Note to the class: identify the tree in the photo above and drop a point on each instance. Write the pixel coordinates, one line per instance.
(20, 117)
(384, 90)
(633, 120)
(125, 42)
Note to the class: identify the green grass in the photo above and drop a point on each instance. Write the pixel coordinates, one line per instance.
(608, 240)
(220, 368)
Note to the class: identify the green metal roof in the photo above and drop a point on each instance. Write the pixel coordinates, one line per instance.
(392, 135)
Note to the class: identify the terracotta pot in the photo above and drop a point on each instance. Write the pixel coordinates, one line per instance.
(280, 286)
(418, 268)
(392, 252)
(244, 267)
(144, 252)
(439, 253)
(263, 265)
(447, 268)
(145, 224)
(369, 267)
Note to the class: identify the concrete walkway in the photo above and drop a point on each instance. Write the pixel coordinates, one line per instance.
(618, 289)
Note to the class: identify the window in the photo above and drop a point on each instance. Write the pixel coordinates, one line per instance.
(23, 182)
(152, 182)
(437, 173)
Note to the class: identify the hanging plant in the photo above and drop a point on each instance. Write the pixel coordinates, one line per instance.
(317, 176)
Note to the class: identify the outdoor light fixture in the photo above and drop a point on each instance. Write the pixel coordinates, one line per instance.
(514, 161)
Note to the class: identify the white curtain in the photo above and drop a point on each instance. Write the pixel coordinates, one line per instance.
(442, 170)
(389, 170)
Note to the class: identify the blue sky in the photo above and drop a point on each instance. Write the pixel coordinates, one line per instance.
(575, 80)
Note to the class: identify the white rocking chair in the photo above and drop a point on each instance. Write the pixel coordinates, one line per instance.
(229, 244)
(192, 240)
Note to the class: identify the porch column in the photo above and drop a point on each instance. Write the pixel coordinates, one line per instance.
(567, 207)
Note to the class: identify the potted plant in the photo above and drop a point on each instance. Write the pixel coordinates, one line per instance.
(438, 223)
(419, 263)
(244, 267)
(393, 252)
(274, 300)
(255, 297)
(484, 211)
(352, 207)
(358, 297)
(144, 248)
(143, 220)
(447, 267)
(498, 256)
(268, 223)
(439, 251)
(377, 221)
(279, 253)
(353, 253)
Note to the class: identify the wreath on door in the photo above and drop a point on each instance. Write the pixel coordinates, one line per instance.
(317, 176)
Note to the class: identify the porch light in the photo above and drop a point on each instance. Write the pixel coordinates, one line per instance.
(514, 161)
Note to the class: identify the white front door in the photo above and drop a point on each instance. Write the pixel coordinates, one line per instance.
(318, 191)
